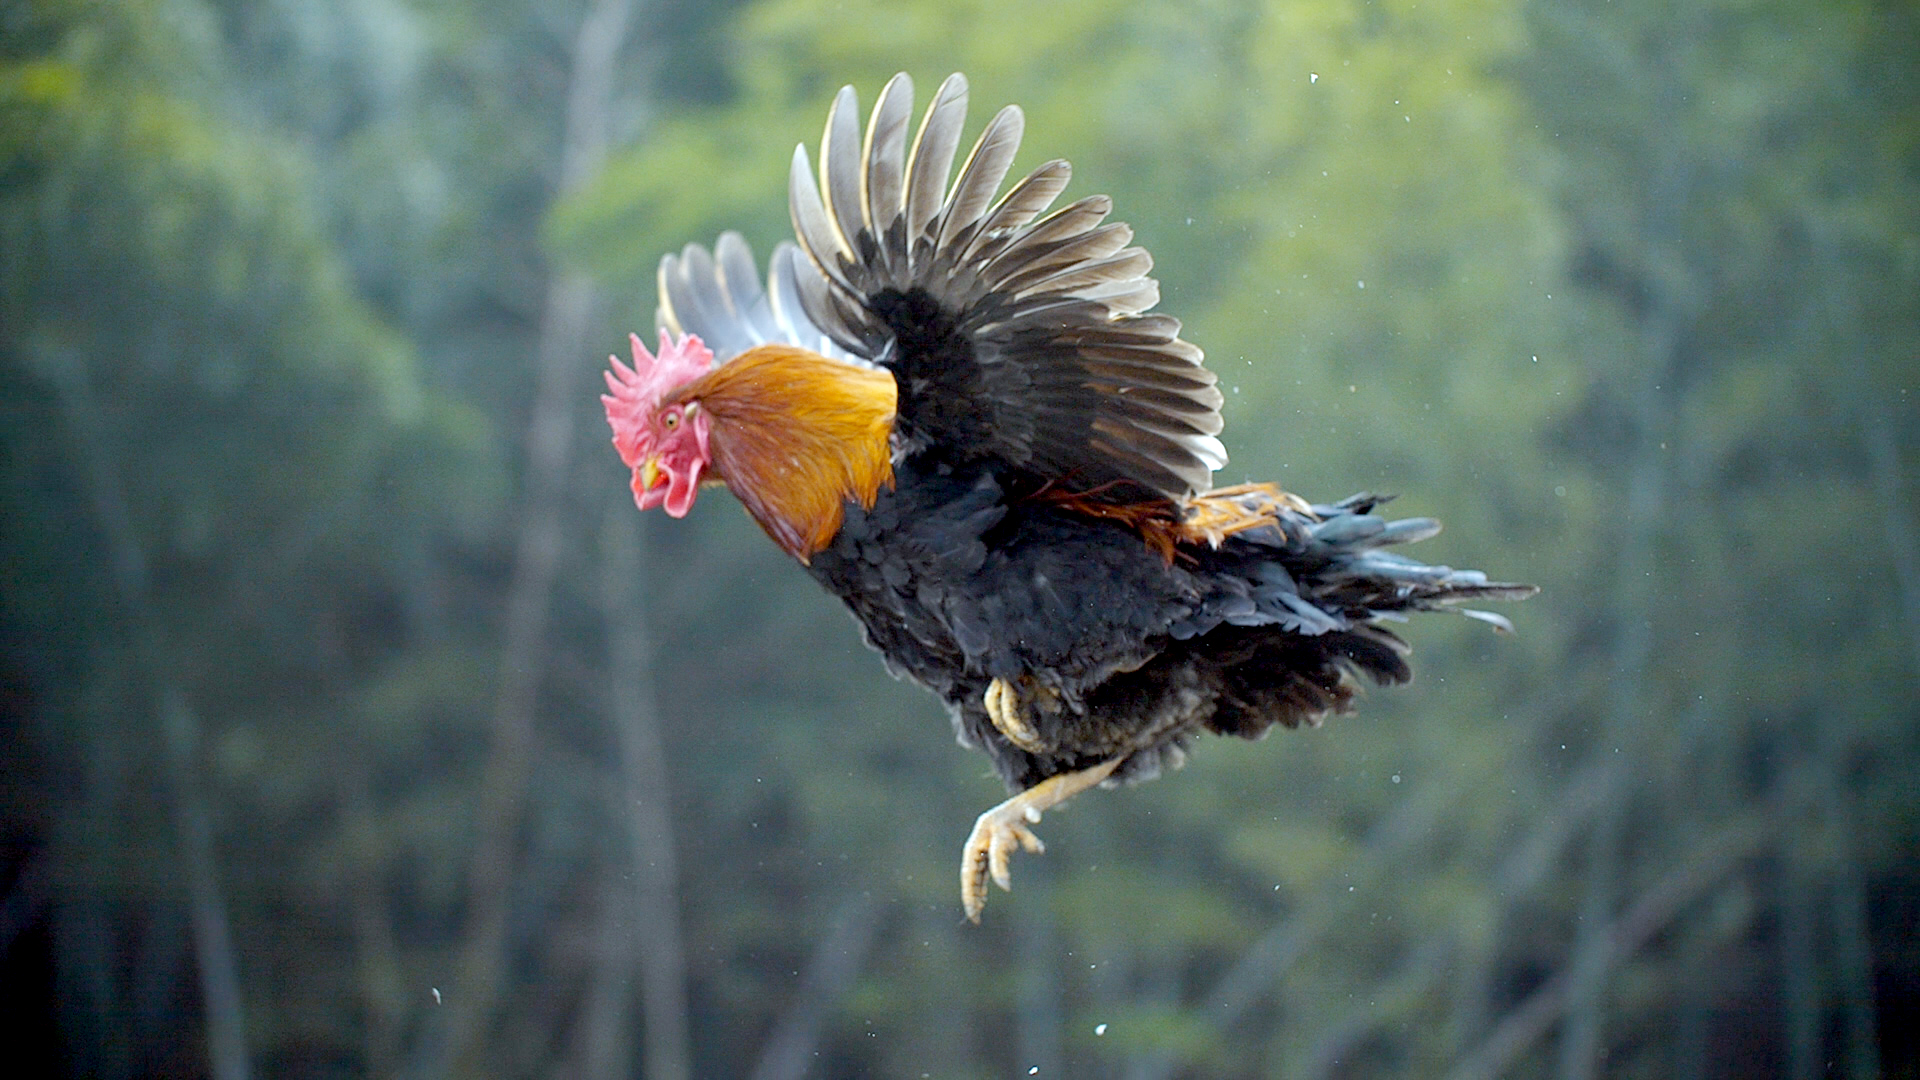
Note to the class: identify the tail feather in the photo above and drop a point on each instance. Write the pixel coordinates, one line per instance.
(1299, 681)
(1269, 559)
(1319, 575)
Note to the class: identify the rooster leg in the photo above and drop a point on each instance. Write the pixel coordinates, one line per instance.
(989, 850)
(1008, 714)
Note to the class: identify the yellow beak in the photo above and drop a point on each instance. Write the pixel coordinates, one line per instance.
(649, 472)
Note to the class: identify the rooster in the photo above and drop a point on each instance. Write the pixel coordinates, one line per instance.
(960, 417)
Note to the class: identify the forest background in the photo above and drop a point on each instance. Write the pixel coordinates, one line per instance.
(353, 723)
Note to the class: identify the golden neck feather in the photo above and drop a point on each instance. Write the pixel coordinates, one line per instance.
(796, 436)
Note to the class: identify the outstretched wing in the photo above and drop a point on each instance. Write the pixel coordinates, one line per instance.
(1018, 338)
(718, 296)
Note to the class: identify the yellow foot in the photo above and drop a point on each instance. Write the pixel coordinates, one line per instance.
(1003, 708)
(989, 849)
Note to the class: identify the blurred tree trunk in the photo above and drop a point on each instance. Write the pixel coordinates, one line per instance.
(179, 728)
(1854, 960)
(1643, 519)
(1798, 885)
(382, 985)
(1884, 460)
(1698, 982)
(561, 385)
(1269, 959)
(1840, 891)
(835, 963)
(1156, 989)
(1393, 998)
(605, 1035)
(1583, 1046)
(212, 936)
(944, 1002)
(363, 886)
(643, 921)
(1039, 1016)
(1840, 316)
(1529, 863)
(83, 967)
(1703, 868)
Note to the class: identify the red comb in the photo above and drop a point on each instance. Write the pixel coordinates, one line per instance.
(638, 390)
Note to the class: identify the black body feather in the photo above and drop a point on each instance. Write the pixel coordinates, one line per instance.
(1120, 652)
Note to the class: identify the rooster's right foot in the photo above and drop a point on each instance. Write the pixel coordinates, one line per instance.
(989, 850)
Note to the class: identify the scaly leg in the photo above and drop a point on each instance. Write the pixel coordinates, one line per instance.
(989, 849)
(1003, 708)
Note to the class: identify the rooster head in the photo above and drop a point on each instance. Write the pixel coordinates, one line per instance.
(660, 434)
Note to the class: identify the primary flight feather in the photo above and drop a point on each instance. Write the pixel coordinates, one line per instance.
(962, 418)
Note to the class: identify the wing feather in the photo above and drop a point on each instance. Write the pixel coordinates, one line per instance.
(840, 174)
(980, 177)
(1080, 274)
(1021, 204)
(1014, 336)
(930, 163)
(818, 235)
(1019, 267)
(719, 296)
(1074, 219)
(882, 197)
(740, 281)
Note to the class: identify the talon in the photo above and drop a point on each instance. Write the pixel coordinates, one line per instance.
(989, 849)
(1003, 708)
(989, 852)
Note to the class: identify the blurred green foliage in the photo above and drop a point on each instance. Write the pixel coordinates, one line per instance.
(1626, 293)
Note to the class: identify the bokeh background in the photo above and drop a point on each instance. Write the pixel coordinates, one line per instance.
(355, 724)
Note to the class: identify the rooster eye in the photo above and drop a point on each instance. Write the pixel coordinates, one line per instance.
(671, 420)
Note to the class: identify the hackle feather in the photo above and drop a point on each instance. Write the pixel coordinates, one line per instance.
(797, 437)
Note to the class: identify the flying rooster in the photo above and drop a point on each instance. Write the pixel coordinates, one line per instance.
(960, 417)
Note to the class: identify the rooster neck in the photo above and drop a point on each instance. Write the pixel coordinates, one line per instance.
(797, 436)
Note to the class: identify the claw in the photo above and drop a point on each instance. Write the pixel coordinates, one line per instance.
(1003, 708)
(989, 849)
(989, 853)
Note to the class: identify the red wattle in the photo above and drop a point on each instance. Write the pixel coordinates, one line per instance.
(681, 489)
